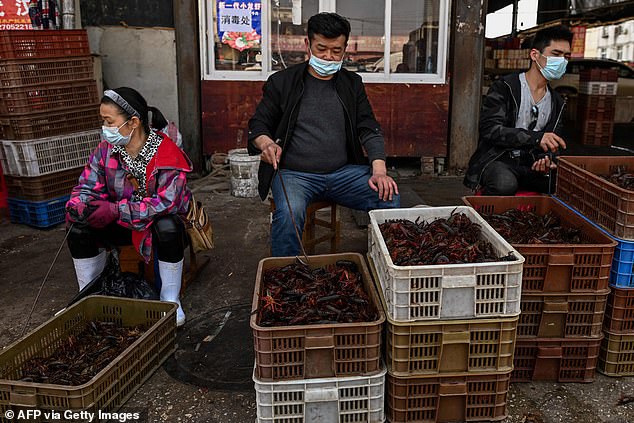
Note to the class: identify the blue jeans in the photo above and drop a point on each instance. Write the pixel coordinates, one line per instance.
(347, 186)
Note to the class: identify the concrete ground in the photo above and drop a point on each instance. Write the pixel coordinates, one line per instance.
(209, 378)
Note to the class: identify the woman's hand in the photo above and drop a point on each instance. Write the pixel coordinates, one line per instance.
(104, 213)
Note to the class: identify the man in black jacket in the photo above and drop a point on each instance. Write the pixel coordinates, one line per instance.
(520, 123)
(321, 119)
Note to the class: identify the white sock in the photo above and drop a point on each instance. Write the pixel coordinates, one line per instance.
(171, 277)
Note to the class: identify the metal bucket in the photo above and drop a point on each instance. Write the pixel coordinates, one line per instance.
(244, 173)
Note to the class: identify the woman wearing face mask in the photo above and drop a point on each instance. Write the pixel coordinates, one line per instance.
(133, 190)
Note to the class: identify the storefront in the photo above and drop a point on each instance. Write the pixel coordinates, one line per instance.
(399, 47)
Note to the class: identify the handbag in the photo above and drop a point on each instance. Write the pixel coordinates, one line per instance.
(199, 227)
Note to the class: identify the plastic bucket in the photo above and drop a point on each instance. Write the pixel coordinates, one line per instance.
(244, 173)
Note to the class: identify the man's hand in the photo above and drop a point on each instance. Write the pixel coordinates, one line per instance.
(271, 152)
(543, 165)
(381, 182)
(551, 141)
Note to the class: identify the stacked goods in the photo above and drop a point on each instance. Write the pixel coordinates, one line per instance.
(564, 285)
(596, 105)
(49, 115)
(317, 338)
(600, 190)
(512, 59)
(71, 362)
(451, 288)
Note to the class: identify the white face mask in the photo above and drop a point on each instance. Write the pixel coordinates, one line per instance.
(112, 135)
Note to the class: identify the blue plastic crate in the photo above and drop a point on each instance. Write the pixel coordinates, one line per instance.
(41, 214)
(622, 272)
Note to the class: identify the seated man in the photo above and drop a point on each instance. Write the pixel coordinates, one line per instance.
(520, 123)
(321, 118)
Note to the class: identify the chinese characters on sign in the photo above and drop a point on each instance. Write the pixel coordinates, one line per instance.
(240, 23)
(14, 14)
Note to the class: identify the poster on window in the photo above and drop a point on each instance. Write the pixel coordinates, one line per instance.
(240, 23)
(14, 14)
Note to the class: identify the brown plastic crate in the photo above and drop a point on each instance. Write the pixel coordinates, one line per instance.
(317, 351)
(18, 73)
(617, 354)
(562, 315)
(40, 188)
(555, 360)
(33, 44)
(595, 108)
(597, 74)
(447, 399)
(556, 267)
(113, 385)
(619, 311)
(40, 98)
(54, 122)
(606, 204)
(594, 132)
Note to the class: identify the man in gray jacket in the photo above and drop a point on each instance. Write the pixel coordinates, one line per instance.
(311, 127)
(520, 123)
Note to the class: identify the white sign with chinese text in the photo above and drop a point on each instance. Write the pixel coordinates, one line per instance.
(238, 20)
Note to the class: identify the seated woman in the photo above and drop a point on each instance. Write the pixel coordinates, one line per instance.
(133, 190)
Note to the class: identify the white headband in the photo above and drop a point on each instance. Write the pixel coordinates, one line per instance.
(121, 102)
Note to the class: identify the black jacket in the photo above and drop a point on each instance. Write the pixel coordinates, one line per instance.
(498, 133)
(277, 112)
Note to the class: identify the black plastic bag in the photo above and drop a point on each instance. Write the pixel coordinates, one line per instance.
(115, 283)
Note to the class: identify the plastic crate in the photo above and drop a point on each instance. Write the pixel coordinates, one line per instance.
(113, 385)
(619, 311)
(41, 214)
(598, 74)
(454, 291)
(30, 44)
(617, 354)
(562, 315)
(594, 132)
(50, 123)
(447, 399)
(556, 267)
(595, 108)
(317, 351)
(18, 73)
(598, 88)
(40, 98)
(341, 399)
(40, 188)
(43, 156)
(555, 360)
(604, 203)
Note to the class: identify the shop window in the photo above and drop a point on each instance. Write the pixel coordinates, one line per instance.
(390, 41)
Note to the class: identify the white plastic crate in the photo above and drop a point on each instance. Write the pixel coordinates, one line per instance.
(451, 291)
(42, 156)
(598, 88)
(325, 400)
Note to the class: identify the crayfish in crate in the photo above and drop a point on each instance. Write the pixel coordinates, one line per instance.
(298, 295)
(518, 226)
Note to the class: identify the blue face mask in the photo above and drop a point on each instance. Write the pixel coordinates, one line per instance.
(324, 67)
(555, 67)
(112, 135)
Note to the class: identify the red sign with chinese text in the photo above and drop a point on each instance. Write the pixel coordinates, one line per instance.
(578, 41)
(14, 14)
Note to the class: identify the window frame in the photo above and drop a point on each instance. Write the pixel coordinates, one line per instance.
(207, 52)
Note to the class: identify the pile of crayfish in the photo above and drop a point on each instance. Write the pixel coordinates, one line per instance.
(298, 295)
(453, 240)
(526, 227)
(79, 358)
(622, 178)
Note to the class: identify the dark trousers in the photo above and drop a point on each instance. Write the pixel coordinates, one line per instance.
(506, 176)
(168, 237)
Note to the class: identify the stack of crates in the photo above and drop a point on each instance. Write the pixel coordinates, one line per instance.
(582, 186)
(596, 106)
(451, 329)
(320, 372)
(49, 115)
(564, 295)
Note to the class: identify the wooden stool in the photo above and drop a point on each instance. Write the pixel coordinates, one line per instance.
(131, 261)
(309, 235)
